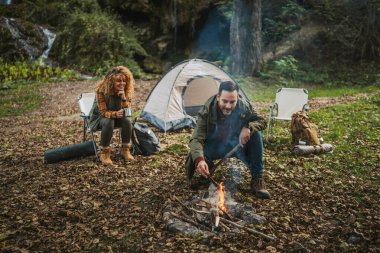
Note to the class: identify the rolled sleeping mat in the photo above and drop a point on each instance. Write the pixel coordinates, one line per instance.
(71, 151)
(317, 149)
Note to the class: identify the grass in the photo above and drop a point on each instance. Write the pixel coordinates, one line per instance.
(19, 98)
(261, 93)
(354, 131)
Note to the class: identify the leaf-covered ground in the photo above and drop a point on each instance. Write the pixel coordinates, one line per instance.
(82, 206)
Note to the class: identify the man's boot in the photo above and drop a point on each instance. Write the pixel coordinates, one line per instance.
(126, 152)
(105, 155)
(258, 189)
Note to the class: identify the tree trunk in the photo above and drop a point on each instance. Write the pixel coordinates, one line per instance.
(245, 37)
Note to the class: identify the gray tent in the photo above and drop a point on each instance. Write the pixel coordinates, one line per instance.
(181, 92)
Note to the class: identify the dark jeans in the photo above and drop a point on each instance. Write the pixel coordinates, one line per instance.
(108, 126)
(251, 154)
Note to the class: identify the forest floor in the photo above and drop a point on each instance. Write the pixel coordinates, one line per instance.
(80, 205)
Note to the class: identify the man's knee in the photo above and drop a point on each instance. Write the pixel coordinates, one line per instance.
(256, 140)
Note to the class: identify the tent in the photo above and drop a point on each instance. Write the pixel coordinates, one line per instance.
(181, 92)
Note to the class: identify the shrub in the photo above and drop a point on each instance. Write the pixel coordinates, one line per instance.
(95, 42)
(287, 66)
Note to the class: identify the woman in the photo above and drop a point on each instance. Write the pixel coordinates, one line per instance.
(113, 94)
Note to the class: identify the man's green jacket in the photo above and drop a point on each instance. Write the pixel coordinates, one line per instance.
(207, 120)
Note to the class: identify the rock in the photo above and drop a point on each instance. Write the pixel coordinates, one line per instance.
(19, 38)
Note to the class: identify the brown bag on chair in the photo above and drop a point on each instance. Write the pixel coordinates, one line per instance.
(303, 129)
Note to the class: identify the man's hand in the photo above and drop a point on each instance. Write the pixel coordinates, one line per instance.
(120, 113)
(202, 169)
(245, 135)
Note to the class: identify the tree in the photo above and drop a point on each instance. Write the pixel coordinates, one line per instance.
(245, 37)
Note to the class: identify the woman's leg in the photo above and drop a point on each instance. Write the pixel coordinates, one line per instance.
(126, 129)
(126, 134)
(107, 126)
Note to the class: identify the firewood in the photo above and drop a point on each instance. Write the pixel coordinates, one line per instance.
(224, 226)
(214, 217)
(250, 230)
(184, 218)
(213, 181)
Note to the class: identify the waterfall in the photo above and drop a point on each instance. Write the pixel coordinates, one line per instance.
(51, 37)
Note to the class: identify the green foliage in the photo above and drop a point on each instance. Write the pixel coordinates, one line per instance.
(289, 19)
(55, 12)
(354, 130)
(18, 86)
(354, 28)
(41, 11)
(178, 149)
(286, 66)
(23, 70)
(225, 7)
(96, 42)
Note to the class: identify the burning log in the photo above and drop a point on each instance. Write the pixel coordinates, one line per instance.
(221, 205)
(214, 217)
(212, 180)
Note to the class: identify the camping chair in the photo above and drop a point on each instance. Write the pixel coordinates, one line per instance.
(85, 101)
(288, 101)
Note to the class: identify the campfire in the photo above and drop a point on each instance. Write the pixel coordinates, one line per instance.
(215, 211)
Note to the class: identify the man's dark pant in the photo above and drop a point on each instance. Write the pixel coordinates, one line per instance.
(251, 154)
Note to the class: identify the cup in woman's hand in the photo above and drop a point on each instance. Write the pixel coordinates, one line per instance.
(127, 112)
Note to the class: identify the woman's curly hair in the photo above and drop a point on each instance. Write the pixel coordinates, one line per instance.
(106, 86)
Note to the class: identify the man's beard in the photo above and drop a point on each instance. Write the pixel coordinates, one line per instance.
(226, 112)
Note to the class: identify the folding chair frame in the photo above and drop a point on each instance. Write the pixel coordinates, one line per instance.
(273, 112)
(86, 127)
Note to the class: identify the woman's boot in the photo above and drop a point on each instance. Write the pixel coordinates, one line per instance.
(105, 155)
(126, 152)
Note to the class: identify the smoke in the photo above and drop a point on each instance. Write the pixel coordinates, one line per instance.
(212, 41)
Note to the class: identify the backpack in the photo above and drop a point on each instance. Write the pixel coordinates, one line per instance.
(304, 129)
(145, 142)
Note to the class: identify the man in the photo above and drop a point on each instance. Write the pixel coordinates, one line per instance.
(222, 123)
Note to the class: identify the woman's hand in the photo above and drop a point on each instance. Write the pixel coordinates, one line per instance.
(121, 94)
(202, 169)
(120, 113)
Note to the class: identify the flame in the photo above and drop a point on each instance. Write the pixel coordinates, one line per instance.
(221, 197)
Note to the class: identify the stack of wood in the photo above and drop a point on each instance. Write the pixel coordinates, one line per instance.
(203, 216)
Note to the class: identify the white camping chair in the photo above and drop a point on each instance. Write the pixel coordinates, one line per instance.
(288, 101)
(85, 101)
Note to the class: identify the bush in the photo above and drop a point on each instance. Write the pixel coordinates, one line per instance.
(96, 42)
(287, 66)
(289, 19)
